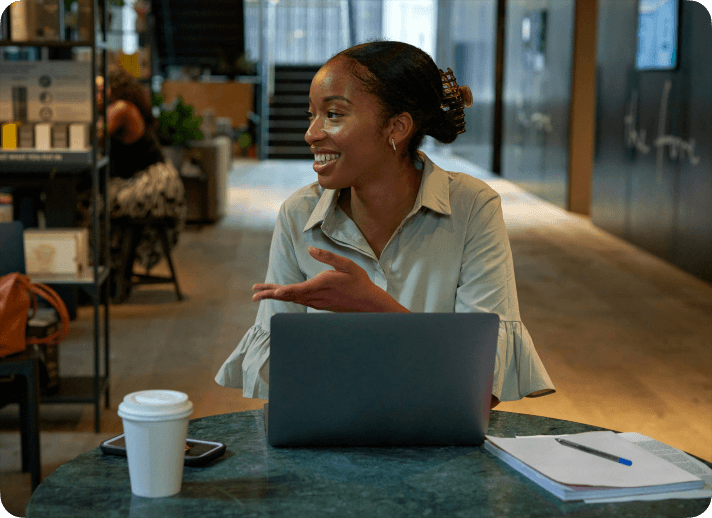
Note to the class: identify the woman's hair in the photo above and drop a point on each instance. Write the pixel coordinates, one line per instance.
(125, 87)
(404, 79)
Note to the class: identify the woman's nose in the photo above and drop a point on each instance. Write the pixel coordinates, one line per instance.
(315, 131)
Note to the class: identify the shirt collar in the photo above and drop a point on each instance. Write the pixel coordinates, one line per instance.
(434, 193)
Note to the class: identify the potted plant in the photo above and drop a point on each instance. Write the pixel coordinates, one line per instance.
(177, 127)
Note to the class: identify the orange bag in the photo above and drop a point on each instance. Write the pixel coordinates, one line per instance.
(17, 295)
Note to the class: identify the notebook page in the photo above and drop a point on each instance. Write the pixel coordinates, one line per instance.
(573, 467)
(673, 455)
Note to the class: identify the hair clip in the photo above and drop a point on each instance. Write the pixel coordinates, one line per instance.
(455, 97)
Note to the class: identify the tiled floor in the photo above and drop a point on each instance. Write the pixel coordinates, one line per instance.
(625, 337)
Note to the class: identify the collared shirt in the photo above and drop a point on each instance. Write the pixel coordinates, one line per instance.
(451, 253)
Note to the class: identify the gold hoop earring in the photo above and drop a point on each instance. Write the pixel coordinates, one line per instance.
(394, 144)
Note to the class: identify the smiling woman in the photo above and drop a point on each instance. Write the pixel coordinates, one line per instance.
(384, 229)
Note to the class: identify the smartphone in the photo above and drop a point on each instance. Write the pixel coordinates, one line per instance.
(197, 453)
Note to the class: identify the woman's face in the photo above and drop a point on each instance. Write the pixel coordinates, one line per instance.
(345, 132)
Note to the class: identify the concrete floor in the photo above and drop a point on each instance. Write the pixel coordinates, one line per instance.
(625, 336)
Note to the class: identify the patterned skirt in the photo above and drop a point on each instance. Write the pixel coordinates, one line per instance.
(156, 192)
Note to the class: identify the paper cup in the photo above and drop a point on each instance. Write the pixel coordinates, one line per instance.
(155, 428)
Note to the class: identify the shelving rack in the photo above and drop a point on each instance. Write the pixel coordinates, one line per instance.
(30, 167)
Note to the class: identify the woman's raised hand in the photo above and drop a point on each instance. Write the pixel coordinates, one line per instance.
(346, 288)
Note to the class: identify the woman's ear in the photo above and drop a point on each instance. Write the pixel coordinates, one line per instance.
(400, 128)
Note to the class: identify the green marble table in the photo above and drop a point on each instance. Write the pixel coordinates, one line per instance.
(253, 479)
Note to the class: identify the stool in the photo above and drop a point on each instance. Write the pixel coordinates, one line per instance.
(132, 237)
(26, 392)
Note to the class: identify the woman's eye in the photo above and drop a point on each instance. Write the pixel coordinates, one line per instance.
(329, 115)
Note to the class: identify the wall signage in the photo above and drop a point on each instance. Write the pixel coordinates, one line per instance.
(635, 138)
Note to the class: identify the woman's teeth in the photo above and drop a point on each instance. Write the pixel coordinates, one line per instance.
(323, 159)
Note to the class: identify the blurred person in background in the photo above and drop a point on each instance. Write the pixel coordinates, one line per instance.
(143, 184)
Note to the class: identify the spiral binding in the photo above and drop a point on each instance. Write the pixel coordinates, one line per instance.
(455, 97)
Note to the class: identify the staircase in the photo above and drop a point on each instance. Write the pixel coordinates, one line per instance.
(288, 120)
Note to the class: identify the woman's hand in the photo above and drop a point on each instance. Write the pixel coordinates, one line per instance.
(346, 288)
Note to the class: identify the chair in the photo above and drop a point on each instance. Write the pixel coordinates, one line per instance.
(134, 228)
(25, 365)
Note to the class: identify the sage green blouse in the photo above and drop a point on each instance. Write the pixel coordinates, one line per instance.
(451, 253)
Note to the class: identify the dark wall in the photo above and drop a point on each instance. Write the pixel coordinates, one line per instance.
(642, 190)
(537, 97)
(208, 33)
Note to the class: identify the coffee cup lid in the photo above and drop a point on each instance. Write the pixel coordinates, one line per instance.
(155, 405)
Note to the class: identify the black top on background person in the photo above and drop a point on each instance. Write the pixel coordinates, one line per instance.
(132, 126)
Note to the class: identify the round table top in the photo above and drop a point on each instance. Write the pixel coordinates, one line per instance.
(254, 479)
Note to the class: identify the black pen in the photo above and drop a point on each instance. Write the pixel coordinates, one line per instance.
(608, 456)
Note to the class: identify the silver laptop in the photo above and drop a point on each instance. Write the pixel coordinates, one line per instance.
(380, 379)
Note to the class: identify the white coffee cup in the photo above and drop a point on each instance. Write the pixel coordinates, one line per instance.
(155, 429)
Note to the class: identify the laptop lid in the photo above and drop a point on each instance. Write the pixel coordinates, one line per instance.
(367, 379)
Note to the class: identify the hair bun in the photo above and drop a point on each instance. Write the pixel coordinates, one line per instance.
(448, 121)
(443, 126)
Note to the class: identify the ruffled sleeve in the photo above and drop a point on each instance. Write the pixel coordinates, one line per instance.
(487, 284)
(247, 368)
(518, 371)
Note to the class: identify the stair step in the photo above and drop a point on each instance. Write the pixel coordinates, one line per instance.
(297, 68)
(279, 111)
(302, 76)
(294, 137)
(294, 150)
(288, 120)
(290, 88)
(289, 99)
(294, 124)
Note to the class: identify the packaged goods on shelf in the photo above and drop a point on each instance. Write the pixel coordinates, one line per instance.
(79, 136)
(43, 136)
(9, 136)
(25, 135)
(37, 20)
(60, 136)
(53, 251)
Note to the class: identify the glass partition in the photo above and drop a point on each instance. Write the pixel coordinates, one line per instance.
(466, 43)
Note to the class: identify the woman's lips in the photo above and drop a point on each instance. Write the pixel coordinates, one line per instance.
(324, 161)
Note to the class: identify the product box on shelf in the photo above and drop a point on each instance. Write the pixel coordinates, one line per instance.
(84, 21)
(19, 17)
(79, 136)
(43, 136)
(25, 135)
(18, 135)
(60, 136)
(37, 20)
(9, 136)
(56, 251)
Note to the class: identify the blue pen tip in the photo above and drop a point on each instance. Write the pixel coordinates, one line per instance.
(626, 462)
